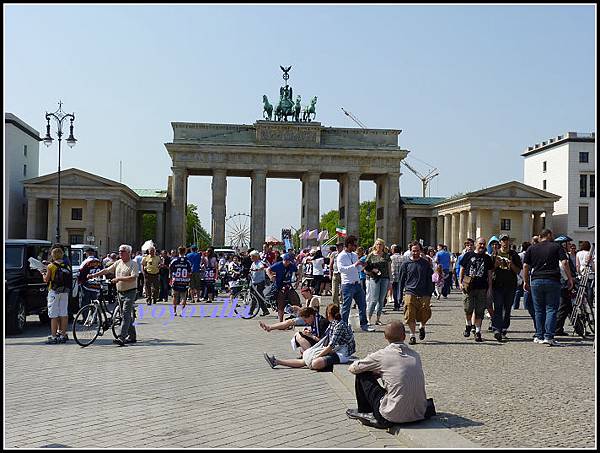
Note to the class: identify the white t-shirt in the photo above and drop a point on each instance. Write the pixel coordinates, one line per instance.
(582, 256)
(317, 266)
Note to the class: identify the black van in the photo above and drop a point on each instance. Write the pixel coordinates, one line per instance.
(25, 292)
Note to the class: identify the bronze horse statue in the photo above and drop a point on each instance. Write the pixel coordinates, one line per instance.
(310, 109)
(267, 108)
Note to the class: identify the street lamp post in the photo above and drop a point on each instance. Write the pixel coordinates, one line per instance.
(59, 116)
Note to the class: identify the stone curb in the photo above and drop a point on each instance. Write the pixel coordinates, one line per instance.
(430, 433)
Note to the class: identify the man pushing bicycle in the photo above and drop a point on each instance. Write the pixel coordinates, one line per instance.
(281, 274)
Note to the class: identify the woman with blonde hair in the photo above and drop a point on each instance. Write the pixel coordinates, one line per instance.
(378, 269)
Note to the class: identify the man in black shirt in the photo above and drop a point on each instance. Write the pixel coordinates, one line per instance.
(479, 268)
(544, 283)
(507, 266)
(415, 278)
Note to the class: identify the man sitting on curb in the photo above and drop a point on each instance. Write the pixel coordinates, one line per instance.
(403, 398)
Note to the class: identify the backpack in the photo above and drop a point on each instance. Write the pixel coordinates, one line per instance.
(63, 279)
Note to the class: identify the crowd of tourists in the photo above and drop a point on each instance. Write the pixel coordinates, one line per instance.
(491, 274)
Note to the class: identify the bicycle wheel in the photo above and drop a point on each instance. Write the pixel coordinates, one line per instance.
(246, 305)
(86, 325)
(117, 320)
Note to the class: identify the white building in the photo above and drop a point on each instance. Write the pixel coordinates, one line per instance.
(21, 161)
(565, 165)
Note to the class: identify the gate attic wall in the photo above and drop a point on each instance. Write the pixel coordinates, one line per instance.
(305, 151)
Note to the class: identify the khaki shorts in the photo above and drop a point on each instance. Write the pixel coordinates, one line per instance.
(476, 301)
(58, 304)
(416, 308)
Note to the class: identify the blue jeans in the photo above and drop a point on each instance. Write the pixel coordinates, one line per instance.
(528, 302)
(354, 291)
(546, 299)
(377, 290)
(518, 295)
(447, 282)
(503, 301)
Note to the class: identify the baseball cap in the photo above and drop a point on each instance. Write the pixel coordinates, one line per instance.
(287, 257)
(504, 236)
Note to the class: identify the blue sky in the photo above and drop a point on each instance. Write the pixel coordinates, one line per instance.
(470, 86)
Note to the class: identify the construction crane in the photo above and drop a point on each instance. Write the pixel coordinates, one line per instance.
(425, 180)
(354, 118)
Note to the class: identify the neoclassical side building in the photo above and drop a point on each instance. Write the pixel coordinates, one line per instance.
(94, 210)
(511, 208)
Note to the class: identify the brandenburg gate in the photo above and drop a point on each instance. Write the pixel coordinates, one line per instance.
(301, 149)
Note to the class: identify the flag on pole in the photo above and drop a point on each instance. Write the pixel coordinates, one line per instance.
(341, 231)
(304, 235)
(323, 236)
(313, 234)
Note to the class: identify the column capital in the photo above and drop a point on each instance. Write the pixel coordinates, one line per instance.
(219, 172)
(179, 171)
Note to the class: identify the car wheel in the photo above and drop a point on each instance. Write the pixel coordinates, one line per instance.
(16, 324)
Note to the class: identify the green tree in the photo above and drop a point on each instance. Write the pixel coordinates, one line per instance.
(366, 223)
(329, 221)
(193, 224)
(148, 227)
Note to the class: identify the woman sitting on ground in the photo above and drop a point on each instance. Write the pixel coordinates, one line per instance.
(310, 301)
(336, 346)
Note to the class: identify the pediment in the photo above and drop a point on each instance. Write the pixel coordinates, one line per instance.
(74, 177)
(514, 190)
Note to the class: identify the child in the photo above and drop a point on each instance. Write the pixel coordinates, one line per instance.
(180, 271)
(438, 280)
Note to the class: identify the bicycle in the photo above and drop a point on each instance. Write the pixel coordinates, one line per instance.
(582, 317)
(249, 301)
(95, 319)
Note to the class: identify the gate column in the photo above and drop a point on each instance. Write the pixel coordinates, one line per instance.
(258, 209)
(219, 195)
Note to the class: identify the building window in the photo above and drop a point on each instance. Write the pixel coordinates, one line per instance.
(583, 185)
(544, 166)
(583, 216)
(76, 214)
(75, 239)
(25, 170)
(592, 185)
(505, 224)
(25, 150)
(584, 158)
(544, 184)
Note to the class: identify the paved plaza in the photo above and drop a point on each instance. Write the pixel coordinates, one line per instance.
(203, 382)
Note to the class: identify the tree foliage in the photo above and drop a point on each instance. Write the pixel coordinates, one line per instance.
(148, 228)
(366, 228)
(193, 223)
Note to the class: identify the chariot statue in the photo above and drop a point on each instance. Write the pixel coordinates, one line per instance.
(286, 106)
(267, 108)
(310, 109)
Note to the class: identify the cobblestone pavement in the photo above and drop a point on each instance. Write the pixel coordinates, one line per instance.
(196, 382)
(515, 394)
(203, 382)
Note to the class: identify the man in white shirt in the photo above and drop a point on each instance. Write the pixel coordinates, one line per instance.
(347, 264)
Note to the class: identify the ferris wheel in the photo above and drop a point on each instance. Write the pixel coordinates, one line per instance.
(237, 230)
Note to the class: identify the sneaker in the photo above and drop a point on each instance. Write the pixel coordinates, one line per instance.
(473, 329)
(412, 340)
(537, 340)
(467, 332)
(270, 360)
(130, 340)
(62, 338)
(367, 329)
(551, 342)
(52, 340)
(498, 336)
(119, 341)
(378, 323)
(490, 328)
(422, 333)
(504, 332)
(478, 338)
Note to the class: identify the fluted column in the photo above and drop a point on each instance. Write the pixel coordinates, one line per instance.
(432, 226)
(526, 226)
(160, 229)
(440, 229)
(219, 195)
(408, 231)
(454, 238)
(178, 202)
(548, 223)
(392, 209)
(310, 204)
(32, 218)
(537, 223)
(90, 217)
(462, 230)
(116, 237)
(495, 223)
(352, 208)
(447, 230)
(258, 208)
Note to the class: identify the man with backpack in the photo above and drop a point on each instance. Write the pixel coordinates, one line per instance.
(59, 279)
